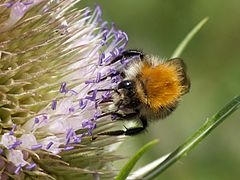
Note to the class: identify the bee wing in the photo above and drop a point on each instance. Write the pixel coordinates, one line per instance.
(181, 68)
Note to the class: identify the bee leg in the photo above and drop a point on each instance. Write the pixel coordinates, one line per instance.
(137, 130)
(132, 52)
(128, 54)
(100, 90)
(124, 116)
(119, 116)
(103, 90)
(128, 132)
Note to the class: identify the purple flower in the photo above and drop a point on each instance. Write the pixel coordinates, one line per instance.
(56, 65)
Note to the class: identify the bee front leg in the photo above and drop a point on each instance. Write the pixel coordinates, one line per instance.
(119, 116)
(124, 116)
(128, 54)
(128, 132)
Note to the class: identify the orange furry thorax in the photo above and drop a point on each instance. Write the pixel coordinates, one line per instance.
(161, 85)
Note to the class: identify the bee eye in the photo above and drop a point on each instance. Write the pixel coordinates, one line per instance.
(127, 84)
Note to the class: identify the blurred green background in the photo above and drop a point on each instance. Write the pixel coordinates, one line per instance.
(213, 60)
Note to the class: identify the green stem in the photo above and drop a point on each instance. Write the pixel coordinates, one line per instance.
(131, 163)
(180, 48)
(207, 127)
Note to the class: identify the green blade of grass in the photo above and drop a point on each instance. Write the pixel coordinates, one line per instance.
(180, 48)
(130, 164)
(195, 139)
(138, 174)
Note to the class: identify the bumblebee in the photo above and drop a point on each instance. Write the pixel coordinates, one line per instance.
(150, 89)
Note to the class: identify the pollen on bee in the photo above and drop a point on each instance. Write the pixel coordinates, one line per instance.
(162, 84)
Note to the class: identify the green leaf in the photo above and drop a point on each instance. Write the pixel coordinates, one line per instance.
(131, 163)
(194, 140)
(180, 48)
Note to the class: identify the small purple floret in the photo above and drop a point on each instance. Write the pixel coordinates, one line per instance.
(63, 88)
(31, 166)
(124, 61)
(99, 10)
(45, 117)
(113, 54)
(117, 51)
(98, 78)
(125, 42)
(9, 4)
(96, 115)
(87, 13)
(116, 35)
(71, 109)
(35, 147)
(93, 97)
(96, 104)
(70, 133)
(119, 35)
(68, 148)
(108, 59)
(113, 116)
(113, 71)
(67, 141)
(17, 171)
(116, 79)
(82, 104)
(85, 123)
(89, 133)
(113, 25)
(101, 57)
(49, 145)
(89, 81)
(36, 120)
(106, 96)
(13, 129)
(89, 124)
(73, 92)
(77, 139)
(27, 3)
(54, 104)
(104, 24)
(1, 151)
(104, 37)
(14, 145)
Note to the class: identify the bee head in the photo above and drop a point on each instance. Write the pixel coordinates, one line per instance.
(128, 86)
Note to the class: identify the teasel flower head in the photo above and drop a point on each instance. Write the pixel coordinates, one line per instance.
(53, 60)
